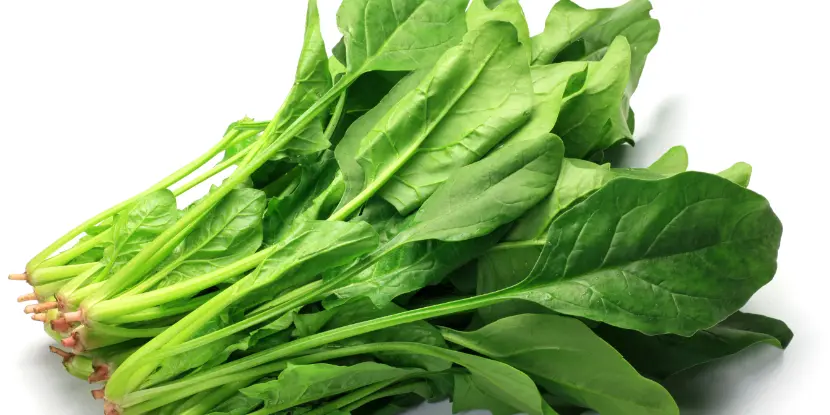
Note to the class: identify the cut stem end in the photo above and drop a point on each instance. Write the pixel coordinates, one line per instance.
(18, 277)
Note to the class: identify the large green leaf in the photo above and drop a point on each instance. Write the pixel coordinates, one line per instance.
(398, 35)
(458, 111)
(663, 356)
(510, 262)
(674, 255)
(139, 225)
(566, 358)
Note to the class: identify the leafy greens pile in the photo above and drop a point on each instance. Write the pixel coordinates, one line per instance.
(430, 215)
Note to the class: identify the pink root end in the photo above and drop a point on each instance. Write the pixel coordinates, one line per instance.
(101, 374)
(60, 325)
(98, 394)
(69, 341)
(74, 317)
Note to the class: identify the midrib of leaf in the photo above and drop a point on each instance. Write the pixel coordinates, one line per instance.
(390, 170)
(519, 244)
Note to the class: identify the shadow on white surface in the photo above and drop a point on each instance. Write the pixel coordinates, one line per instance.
(714, 389)
(653, 134)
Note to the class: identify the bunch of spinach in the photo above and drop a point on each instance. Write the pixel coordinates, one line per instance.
(430, 215)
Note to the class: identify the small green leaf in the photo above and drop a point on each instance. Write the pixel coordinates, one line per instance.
(674, 161)
(739, 173)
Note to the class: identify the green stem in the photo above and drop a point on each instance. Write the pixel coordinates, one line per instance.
(336, 116)
(301, 345)
(155, 313)
(112, 309)
(168, 398)
(115, 331)
(165, 183)
(43, 276)
(96, 336)
(64, 257)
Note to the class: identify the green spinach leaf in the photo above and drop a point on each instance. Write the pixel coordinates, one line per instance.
(675, 255)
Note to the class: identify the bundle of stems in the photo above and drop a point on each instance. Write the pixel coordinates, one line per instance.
(441, 167)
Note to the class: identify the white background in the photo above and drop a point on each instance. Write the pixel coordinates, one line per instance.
(100, 99)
